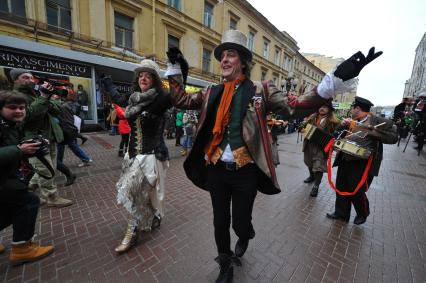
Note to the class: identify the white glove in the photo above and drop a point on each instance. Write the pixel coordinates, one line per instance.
(331, 85)
(173, 70)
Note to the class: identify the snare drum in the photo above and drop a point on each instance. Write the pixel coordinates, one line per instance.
(316, 135)
(351, 148)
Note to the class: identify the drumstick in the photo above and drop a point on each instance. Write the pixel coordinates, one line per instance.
(356, 133)
(381, 124)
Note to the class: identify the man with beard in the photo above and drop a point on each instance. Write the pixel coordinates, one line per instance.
(314, 156)
(40, 119)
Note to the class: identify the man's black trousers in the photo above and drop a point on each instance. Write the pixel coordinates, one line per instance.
(238, 187)
(19, 208)
(349, 173)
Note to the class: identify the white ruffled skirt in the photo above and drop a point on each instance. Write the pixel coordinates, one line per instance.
(141, 188)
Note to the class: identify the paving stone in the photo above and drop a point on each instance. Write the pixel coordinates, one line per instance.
(294, 240)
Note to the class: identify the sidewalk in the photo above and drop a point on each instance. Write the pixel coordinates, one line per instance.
(294, 240)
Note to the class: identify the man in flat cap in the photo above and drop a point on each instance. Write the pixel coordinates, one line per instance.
(355, 173)
(40, 119)
(231, 156)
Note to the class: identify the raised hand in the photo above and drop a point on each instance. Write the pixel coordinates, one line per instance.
(351, 67)
(176, 56)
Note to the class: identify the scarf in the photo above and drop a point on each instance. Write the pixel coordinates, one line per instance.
(223, 115)
(139, 100)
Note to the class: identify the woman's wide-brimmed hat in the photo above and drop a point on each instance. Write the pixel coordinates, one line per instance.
(233, 39)
(149, 66)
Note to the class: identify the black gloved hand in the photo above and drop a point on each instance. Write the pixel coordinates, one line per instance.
(176, 56)
(351, 67)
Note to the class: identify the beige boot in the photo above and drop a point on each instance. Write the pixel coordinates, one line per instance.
(130, 238)
(28, 252)
(57, 201)
(2, 248)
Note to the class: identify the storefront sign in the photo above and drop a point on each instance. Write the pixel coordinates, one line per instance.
(14, 59)
(123, 87)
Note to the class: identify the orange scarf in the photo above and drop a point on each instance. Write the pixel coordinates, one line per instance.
(223, 115)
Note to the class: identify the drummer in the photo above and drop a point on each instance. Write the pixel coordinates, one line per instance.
(370, 132)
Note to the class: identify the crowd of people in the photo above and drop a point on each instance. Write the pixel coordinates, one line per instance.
(410, 117)
(228, 133)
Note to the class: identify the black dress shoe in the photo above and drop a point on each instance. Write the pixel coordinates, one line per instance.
(241, 247)
(226, 273)
(314, 191)
(83, 140)
(360, 220)
(310, 179)
(335, 216)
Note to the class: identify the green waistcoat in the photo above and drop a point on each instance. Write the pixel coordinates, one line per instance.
(233, 131)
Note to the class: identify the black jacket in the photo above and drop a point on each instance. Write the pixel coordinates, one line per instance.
(10, 155)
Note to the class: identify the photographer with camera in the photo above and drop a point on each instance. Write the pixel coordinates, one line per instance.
(40, 120)
(18, 206)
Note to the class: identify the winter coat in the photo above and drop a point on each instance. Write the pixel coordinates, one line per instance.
(374, 140)
(314, 156)
(147, 126)
(11, 135)
(254, 133)
(40, 119)
(123, 125)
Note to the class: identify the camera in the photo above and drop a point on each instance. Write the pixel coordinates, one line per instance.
(44, 146)
(57, 85)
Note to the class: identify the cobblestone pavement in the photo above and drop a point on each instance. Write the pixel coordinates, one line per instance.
(295, 242)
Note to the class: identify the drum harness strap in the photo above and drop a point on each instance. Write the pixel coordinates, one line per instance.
(329, 149)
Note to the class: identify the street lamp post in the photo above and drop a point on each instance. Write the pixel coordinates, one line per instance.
(290, 83)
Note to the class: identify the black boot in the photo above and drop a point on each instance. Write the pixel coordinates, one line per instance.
(226, 270)
(120, 152)
(318, 178)
(310, 179)
(314, 191)
(360, 220)
(67, 172)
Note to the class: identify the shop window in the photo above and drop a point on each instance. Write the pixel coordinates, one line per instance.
(250, 40)
(265, 49)
(208, 14)
(172, 41)
(174, 3)
(12, 8)
(207, 55)
(123, 30)
(58, 14)
(233, 23)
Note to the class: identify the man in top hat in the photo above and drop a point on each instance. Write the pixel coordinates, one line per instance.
(231, 154)
(314, 156)
(369, 132)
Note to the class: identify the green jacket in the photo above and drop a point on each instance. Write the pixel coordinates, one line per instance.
(179, 118)
(41, 113)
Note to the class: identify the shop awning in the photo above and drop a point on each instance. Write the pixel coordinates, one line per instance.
(31, 46)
